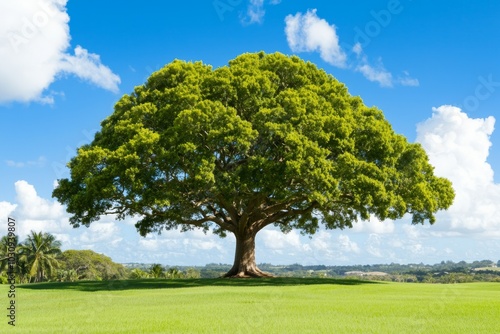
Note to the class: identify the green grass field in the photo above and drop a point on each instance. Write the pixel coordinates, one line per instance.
(253, 306)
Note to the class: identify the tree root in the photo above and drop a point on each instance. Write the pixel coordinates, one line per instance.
(248, 273)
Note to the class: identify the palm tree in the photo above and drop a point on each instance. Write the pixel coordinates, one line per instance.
(19, 266)
(137, 273)
(4, 250)
(40, 251)
(174, 273)
(156, 270)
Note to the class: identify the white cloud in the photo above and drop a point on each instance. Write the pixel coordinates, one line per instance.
(308, 33)
(40, 162)
(373, 246)
(373, 225)
(322, 241)
(198, 240)
(376, 74)
(64, 238)
(292, 247)
(407, 80)
(99, 232)
(277, 240)
(33, 51)
(88, 66)
(6, 210)
(322, 247)
(412, 232)
(36, 213)
(348, 246)
(458, 147)
(357, 49)
(149, 244)
(190, 242)
(255, 11)
(379, 74)
(372, 73)
(31, 206)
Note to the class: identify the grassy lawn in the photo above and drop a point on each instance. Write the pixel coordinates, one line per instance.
(254, 306)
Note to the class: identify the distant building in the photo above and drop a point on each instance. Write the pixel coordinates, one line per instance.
(362, 273)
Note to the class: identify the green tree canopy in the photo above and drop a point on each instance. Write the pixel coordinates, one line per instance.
(90, 265)
(268, 139)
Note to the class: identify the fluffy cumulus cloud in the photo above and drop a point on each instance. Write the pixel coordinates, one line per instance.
(101, 232)
(88, 66)
(6, 210)
(33, 49)
(33, 206)
(326, 247)
(309, 33)
(37, 213)
(193, 247)
(373, 225)
(323, 247)
(278, 241)
(397, 248)
(458, 147)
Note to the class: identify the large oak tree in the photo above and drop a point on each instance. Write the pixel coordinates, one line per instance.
(267, 140)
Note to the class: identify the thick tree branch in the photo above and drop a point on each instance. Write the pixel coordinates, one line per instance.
(253, 211)
(222, 220)
(283, 214)
(206, 219)
(283, 205)
(230, 209)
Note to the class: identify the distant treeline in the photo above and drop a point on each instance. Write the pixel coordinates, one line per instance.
(444, 272)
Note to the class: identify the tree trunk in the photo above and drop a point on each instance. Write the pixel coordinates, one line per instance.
(244, 258)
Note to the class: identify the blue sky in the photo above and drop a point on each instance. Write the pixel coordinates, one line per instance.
(431, 66)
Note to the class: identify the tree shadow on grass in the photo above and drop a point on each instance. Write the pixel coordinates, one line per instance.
(120, 285)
